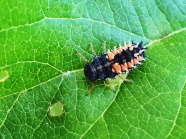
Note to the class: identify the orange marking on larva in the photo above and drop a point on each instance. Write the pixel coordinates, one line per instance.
(124, 67)
(130, 64)
(120, 49)
(136, 61)
(110, 56)
(125, 47)
(116, 51)
(140, 58)
(129, 45)
(117, 68)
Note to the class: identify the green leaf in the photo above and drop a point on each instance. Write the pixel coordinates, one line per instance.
(39, 67)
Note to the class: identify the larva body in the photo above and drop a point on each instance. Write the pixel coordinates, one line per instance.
(110, 64)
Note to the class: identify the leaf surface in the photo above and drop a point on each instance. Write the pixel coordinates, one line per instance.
(39, 67)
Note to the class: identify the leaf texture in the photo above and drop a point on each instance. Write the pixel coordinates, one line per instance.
(39, 67)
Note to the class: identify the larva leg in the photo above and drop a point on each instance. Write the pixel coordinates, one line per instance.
(104, 47)
(125, 80)
(79, 54)
(128, 80)
(92, 49)
(111, 86)
(90, 90)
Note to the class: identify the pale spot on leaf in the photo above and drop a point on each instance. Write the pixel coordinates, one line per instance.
(56, 109)
(3, 75)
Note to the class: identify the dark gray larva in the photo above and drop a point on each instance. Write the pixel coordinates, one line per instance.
(120, 60)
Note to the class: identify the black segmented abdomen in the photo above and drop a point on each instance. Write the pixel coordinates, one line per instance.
(118, 61)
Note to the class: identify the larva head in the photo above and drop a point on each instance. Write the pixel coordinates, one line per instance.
(90, 72)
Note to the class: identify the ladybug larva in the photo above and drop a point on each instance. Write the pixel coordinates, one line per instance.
(113, 63)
